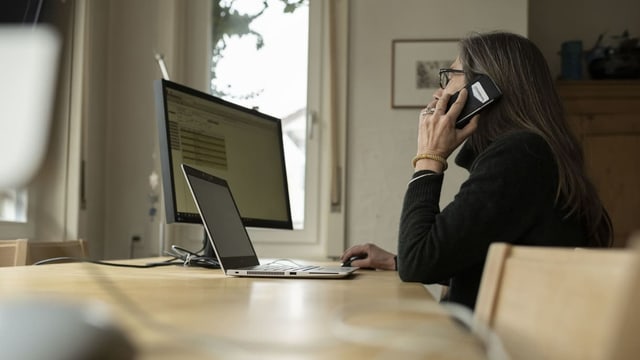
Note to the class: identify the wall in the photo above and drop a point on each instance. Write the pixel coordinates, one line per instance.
(120, 149)
(93, 213)
(130, 118)
(382, 140)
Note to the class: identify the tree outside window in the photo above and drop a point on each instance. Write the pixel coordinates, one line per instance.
(259, 60)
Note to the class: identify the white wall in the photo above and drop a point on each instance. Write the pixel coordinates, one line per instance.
(382, 140)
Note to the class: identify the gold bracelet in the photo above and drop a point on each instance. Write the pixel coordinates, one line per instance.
(435, 157)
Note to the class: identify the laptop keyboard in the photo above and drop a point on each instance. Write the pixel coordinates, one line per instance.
(283, 268)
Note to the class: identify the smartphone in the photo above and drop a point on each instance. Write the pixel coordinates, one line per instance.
(481, 91)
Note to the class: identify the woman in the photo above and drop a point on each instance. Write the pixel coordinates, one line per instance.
(527, 183)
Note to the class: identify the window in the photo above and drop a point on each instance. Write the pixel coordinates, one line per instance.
(260, 60)
(16, 214)
(13, 205)
(314, 128)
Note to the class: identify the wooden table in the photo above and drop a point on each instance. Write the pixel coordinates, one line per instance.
(180, 312)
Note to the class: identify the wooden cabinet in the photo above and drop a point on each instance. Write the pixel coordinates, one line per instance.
(606, 118)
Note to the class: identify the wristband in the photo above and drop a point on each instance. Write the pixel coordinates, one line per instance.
(435, 157)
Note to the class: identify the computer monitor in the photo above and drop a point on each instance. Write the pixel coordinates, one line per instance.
(241, 145)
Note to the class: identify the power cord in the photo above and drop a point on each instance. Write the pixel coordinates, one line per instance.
(63, 259)
(179, 256)
(193, 259)
(279, 261)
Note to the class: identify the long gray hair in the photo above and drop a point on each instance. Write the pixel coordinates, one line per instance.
(530, 102)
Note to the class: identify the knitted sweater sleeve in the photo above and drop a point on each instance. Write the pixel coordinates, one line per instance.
(509, 184)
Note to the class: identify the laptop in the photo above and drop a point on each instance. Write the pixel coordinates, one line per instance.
(230, 240)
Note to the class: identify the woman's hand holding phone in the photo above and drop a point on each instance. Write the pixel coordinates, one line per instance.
(452, 118)
(437, 133)
(481, 92)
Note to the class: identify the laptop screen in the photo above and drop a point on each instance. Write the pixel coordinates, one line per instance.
(227, 233)
(221, 219)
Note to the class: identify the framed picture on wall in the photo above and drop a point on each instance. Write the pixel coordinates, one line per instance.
(415, 66)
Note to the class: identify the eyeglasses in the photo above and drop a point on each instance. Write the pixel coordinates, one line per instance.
(444, 76)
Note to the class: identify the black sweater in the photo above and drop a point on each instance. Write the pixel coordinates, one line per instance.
(510, 196)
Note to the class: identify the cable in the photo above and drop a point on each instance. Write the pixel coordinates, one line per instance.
(75, 259)
(276, 261)
(193, 259)
(186, 257)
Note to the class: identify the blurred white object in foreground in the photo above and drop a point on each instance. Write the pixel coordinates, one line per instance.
(28, 73)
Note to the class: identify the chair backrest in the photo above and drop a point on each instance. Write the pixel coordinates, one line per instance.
(13, 252)
(41, 250)
(561, 303)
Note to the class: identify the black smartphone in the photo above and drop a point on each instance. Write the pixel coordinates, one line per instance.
(481, 91)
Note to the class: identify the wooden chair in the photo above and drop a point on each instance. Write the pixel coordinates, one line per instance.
(562, 303)
(41, 250)
(13, 252)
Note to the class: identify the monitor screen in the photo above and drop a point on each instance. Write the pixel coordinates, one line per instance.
(30, 12)
(241, 145)
(20, 11)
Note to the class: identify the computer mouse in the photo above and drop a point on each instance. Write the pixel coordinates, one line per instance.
(54, 329)
(353, 258)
